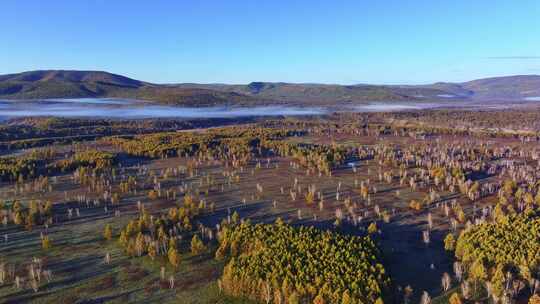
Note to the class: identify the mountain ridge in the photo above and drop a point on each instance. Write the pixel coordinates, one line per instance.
(46, 84)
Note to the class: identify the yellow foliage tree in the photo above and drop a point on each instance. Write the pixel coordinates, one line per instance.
(197, 246)
(174, 257)
(455, 299)
(107, 233)
(534, 299)
(372, 228)
(45, 243)
(450, 242)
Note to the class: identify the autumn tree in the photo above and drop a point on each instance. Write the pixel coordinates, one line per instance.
(319, 299)
(450, 242)
(372, 228)
(107, 233)
(45, 243)
(197, 246)
(535, 299)
(478, 273)
(455, 299)
(174, 257)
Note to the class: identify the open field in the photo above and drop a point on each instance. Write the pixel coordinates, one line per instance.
(135, 211)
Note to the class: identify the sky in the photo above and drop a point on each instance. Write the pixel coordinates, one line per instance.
(240, 41)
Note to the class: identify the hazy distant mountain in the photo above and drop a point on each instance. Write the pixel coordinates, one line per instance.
(498, 88)
(510, 87)
(322, 93)
(79, 84)
(87, 84)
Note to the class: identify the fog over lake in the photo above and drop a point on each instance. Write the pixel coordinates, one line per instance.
(129, 109)
(120, 108)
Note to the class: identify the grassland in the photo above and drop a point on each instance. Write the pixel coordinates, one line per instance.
(347, 174)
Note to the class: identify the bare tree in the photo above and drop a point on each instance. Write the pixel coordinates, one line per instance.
(446, 282)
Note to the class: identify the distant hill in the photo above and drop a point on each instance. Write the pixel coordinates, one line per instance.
(85, 84)
(325, 93)
(499, 88)
(510, 87)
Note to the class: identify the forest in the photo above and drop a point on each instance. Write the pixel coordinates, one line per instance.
(427, 206)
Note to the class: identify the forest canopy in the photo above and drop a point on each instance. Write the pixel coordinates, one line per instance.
(270, 261)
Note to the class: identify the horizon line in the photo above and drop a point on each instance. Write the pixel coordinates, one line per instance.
(359, 83)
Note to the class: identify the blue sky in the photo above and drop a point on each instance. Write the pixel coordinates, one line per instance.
(357, 41)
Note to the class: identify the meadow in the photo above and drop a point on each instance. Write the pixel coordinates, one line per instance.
(404, 207)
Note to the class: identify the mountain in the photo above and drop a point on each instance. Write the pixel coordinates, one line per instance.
(510, 87)
(53, 84)
(87, 84)
(498, 88)
(325, 93)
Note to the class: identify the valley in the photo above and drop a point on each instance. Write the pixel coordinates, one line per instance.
(82, 216)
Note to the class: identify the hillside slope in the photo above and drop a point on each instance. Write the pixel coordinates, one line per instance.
(498, 88)
(87, 84)
(326, 93)
(94, 84)
(510, 87)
